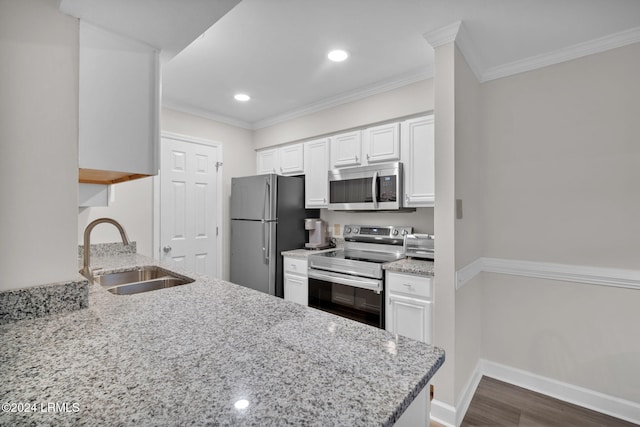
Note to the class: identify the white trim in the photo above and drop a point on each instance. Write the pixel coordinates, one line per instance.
(586, 398)
(443, 35)
(443, 413)
(467, 47)
(575, 51)
(198, 112)
(344, 98)
(468, 272)
(361, 93)
(219, 203)
(610, 405)
(464, 400)
(601, 276)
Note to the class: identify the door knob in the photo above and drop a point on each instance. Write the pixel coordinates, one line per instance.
(167, 249)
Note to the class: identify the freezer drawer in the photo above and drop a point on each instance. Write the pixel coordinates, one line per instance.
(253, 257)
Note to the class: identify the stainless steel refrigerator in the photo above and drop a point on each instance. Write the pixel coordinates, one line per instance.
(267, 217)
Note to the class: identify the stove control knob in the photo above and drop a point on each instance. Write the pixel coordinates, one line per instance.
(347, 230)
(355, 230)
(405, 232)
(395, 232)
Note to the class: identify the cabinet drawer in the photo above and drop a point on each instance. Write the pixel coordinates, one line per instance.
(409, 284)
(295, 266)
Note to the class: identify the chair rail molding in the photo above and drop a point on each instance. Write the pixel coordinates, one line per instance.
(601, 276)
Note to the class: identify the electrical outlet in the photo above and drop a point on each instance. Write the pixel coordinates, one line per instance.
(336, 229)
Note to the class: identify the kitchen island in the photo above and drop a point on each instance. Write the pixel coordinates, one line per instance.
(206, 353)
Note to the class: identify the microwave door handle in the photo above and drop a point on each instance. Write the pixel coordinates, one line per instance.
(374, 184)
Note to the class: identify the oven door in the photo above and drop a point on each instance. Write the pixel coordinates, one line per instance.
(356, 298)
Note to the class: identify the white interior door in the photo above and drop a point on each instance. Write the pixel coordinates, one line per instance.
(190, 205)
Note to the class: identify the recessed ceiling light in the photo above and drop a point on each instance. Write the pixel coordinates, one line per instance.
(242, 97)
(338, 55)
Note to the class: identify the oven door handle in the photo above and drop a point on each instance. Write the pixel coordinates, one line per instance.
(343, 279)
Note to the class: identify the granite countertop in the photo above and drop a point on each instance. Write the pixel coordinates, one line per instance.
(186, 355)
(411, 265)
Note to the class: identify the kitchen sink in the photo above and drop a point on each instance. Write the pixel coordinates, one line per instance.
(141, 279)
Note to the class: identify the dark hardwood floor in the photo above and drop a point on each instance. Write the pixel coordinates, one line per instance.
(496, 403)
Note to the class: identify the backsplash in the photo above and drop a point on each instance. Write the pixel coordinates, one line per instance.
(108, 249)
(421, 220)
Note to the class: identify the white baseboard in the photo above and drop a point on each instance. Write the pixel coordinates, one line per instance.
(450, 416)
(590, 399)
(443, 413)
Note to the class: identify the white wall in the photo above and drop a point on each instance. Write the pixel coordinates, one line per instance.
(239, 157)
(132, 207)
(404, 101)
(444, 220)
(39, 143)
(562, 185)
(469, 230)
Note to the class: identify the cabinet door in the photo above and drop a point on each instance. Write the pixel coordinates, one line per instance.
(409, 317)
(316, 183)
(382, 143)
(118, 104)
(267, 161)
(296, 289)
(292, 159)
(346, 149)
(418, 158)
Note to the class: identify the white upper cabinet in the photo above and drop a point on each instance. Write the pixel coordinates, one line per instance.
(382, 143)
(287, 160)
(346, 149)
(292, 159)
(316, 183)
(418, 159)
(267, 161)
(119, 107)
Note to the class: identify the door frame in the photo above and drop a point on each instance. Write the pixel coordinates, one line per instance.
(219, 199)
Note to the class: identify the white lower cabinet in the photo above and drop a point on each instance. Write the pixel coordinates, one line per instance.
(295, 280)
(409, 312)
(409, 306)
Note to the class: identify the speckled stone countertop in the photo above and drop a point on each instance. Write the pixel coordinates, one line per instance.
(186, 355)
(410, 265)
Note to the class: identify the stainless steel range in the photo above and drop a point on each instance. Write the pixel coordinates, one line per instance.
(350, 282)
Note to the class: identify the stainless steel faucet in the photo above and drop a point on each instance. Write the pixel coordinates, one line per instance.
(86, 270)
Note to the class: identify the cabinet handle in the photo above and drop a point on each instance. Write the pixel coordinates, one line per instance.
(368, 157)
(409, 286)
(356, 158)
(406, 198)
(324, 200)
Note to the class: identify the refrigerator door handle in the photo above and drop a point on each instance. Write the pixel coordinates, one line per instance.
(267, 202)
(264, 241)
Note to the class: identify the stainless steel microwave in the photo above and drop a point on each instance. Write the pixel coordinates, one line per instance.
(374, 187)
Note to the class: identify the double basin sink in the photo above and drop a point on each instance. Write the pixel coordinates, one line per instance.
(141, 279)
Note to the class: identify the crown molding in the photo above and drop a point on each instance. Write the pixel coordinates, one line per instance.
(444, 35)
(568, 53)
(344, 98)
(199, 112)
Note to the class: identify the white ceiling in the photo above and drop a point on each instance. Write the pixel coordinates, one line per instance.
(275, 50)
